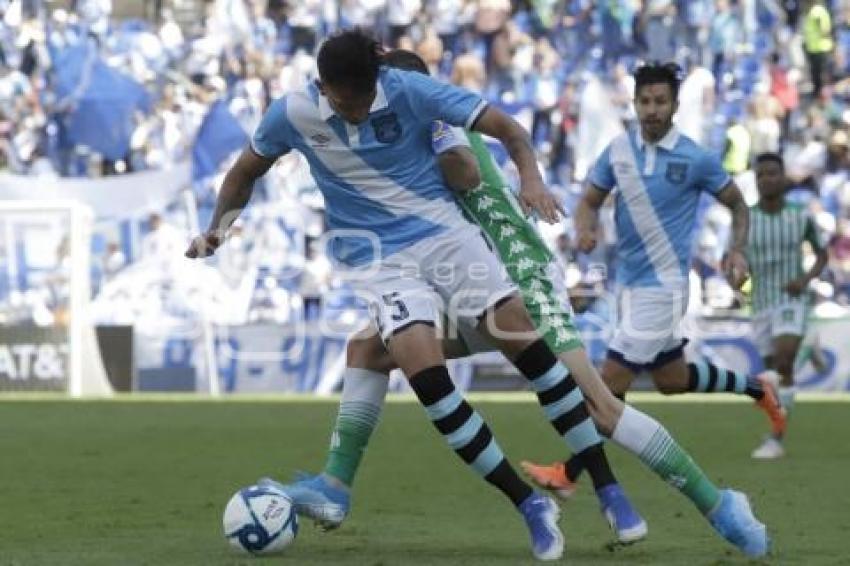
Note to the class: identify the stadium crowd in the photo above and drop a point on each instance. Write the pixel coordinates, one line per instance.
(759, 75)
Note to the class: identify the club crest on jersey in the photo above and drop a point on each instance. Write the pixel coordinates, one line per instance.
(386, 128)
(677, 172)
(320, 139)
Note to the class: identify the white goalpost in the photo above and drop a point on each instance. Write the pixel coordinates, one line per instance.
(47, 336)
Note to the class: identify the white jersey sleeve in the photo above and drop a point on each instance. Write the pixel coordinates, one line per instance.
(445, 137)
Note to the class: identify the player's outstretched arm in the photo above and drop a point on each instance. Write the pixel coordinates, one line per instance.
(734, 262)
(587, 217)
(533, 193)
(234, 195)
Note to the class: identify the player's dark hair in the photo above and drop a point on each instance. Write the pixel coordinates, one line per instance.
(406, 61)
(350, 58)
(770, 156)
(657, 73)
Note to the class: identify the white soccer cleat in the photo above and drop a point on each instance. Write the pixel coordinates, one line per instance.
(770, 449)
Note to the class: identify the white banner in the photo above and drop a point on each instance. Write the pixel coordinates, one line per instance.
(116, 196)
(274, 358)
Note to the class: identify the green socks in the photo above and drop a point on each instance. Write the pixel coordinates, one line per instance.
(644, 436)
(363, 393)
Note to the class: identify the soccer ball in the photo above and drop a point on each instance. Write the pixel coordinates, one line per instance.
(260, 520)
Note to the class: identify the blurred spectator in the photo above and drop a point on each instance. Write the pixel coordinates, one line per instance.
(764, 122)
(304, 18)
(431, 51)
(658, 18)
(545, 89)
(564, 140)
(171, 35)
(491, 18)
(94, 15)
(839, 261)
(113, 261)
(163, 242)
(783, 87)
(360, 13)
(622, 92)
(446, 17)
(695, 17)
(736, 155)
(817, 41)
(400, 16)
(696, 103)
(723, 38)
(469, 72)
(511, 57)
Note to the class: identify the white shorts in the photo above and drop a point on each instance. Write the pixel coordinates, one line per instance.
(648, 325)
(788, 318)
(453, 275)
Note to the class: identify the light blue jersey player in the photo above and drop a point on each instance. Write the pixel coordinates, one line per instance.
(365, 131)
(658, 187)
(657, 177)
(378, 177)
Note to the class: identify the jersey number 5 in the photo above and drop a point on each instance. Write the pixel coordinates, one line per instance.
(392, 300)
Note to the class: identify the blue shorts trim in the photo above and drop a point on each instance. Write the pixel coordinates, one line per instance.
(662, 359)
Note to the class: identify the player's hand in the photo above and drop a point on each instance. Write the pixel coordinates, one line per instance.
(534, 196)
(205, 244)
(735, 267)
(586, 241)
(795, 287)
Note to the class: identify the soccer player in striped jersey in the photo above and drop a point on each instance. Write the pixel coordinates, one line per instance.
(491, 205)
(778, 232)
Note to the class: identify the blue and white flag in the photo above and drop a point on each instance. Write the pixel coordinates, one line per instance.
(219, 135)
(100, 101)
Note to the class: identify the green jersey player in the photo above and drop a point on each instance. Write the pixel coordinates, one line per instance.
(778, 231)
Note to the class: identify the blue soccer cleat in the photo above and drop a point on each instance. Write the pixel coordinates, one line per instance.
(315, 498)
(734, 520)
(541, 517)
(624, 520)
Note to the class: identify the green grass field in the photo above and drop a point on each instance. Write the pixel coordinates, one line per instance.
(126, 483)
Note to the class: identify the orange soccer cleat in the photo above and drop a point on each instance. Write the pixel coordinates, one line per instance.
(554, 478)
(770, 403)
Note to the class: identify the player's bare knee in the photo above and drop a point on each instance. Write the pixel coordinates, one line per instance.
(369, 353)
(356, 353)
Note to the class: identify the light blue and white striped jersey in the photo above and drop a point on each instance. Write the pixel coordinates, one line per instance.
(658, 190)
(381, 175)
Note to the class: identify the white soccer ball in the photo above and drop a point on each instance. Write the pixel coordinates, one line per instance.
(260, 520)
